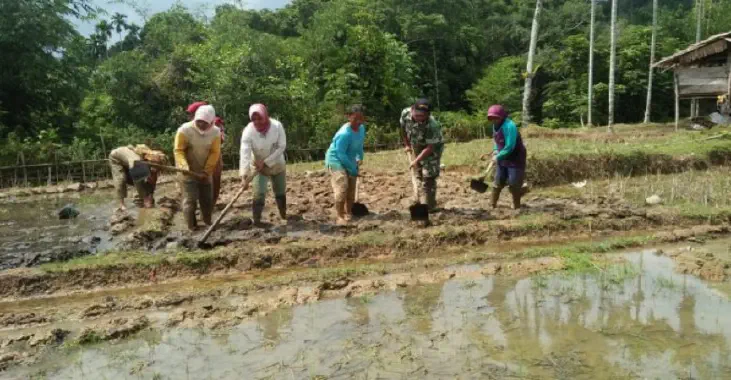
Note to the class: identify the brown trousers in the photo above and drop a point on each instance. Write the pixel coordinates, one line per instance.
(195, 193)
(344, 191)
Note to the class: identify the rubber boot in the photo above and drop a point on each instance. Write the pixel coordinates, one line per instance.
(257, 208)
(495, 196)
(517, 193)
(282, 206)
(430, 192)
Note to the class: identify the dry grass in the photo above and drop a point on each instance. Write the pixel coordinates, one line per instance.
(563, 156)
(692, 192)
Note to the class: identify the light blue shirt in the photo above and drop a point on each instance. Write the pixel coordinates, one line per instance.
(346, 149)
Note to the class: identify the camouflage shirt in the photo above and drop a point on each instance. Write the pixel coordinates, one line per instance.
(420, 136)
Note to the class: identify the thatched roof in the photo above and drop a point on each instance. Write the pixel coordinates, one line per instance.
(693, 53)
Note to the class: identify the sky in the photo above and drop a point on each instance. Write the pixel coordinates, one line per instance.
(155, 6)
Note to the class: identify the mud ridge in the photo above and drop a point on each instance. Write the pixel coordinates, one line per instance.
(29, 283)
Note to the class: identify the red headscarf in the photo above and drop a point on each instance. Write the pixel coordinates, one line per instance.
(264, 114)
(194, 107)
(219, 123)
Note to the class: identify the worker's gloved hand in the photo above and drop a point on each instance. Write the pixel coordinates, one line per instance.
(202, 177)
(259, 164)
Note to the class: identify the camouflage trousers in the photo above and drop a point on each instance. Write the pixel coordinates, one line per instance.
(427, 174)
(121, 179)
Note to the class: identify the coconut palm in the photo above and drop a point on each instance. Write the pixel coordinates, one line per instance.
(119, 22)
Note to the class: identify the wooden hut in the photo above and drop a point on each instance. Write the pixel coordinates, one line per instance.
(702, 70)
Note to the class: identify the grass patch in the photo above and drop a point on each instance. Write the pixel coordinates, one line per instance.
(618, 274)
(110, 259)
(88, 337)
(697, 195)
(557, 157)
(604, 246)
(665, 283)
(578, 262)
(194, 259)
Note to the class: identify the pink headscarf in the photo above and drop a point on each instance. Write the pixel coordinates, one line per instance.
(497, 111)
(263, 113)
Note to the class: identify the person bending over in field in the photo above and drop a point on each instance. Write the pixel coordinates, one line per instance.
(125, 158)
(509, 155)
(343, 160)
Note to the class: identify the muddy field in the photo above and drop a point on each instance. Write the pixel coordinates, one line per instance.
(387, 195)
(477, 292)
(635, 316)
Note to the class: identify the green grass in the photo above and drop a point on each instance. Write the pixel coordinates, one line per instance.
(628, 140)
(88, 338)
(193, 259)
(201, 260)
(665, 283)
(604, 246)
(578, 262)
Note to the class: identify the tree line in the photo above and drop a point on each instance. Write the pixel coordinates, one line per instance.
(80, 96)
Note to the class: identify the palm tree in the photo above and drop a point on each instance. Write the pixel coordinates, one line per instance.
(591, 63)
(648, 105)
(104, 29)
(102, 36)
(612, 65)
(119, 21)
(529, 67)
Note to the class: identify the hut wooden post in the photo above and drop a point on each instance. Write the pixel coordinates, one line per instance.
(25, 170)
(677, 101)
(50, 175)
(728, 66)
(55, 163)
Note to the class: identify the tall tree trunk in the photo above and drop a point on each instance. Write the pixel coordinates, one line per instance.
(590, 101)
(612, 64)
(648, 105)
(529, 67)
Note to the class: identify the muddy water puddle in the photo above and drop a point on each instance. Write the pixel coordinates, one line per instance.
(635, 320)
(32, 228)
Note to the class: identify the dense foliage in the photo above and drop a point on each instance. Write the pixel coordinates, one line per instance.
(63, 93)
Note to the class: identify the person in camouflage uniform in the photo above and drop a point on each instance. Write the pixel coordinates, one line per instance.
(422, 135)
(122, 160)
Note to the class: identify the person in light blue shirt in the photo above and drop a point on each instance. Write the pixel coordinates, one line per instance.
(343, 159)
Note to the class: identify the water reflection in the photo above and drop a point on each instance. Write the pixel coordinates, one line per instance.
(654, 325)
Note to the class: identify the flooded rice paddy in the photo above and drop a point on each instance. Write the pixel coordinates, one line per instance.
(31, 232)
(638, 319)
